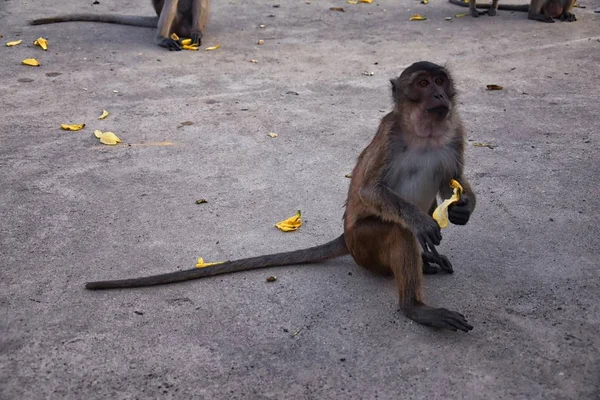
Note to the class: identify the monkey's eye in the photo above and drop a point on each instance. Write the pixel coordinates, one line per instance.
(439, 81)
(423, 82)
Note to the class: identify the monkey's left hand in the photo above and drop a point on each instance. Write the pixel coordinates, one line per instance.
(459, 212)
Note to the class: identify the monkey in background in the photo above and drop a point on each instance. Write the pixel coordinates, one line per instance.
(538, 10)
(388, 229)
(185, 18)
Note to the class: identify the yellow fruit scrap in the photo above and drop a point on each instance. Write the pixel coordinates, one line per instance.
(13, 43)
(291, 224)
(462, 14)
(424, 1)
(186, 42)
(365, 1)
(109, 138)
(43, 43)
(98, 133)
(72, 127)
(417, 17)
(349, 176)
(440, 214)
(352, 1)
(189, 47)
(260, 42)
(104, 114)
(31, 62)
(272, 134)
(174, 36)
(494, 87)
(201, 264)
(215, 47)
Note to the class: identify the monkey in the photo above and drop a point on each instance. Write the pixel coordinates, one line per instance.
(185, 18)
(417, 150)
(538, 10)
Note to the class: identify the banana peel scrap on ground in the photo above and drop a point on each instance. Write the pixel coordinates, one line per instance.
(72, 127)
(201, 264)
(14, 43)
(417, 17)
(108, 138)
(43, 43)
(494, 87)
(440, 214)
(215, 47)
(104, 114)
(291, 224)
(31, 62)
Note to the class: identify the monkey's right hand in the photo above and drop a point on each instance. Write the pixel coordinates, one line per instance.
(428, 232)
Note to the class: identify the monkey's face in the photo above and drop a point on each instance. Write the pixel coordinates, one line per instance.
(432, 92)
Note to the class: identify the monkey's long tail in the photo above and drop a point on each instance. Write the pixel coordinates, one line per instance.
(135, 20)
(335, 248)
(507, 7)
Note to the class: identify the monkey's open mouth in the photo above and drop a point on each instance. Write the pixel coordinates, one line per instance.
(440, 111)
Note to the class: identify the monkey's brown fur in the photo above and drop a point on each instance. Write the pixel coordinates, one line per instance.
(186, 18)
(538, 10)
(417, 150)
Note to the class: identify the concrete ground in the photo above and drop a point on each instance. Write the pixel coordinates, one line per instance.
(73, 210)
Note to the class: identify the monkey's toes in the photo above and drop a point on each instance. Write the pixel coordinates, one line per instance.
(429, 269)
(491, 12)
(196, 38)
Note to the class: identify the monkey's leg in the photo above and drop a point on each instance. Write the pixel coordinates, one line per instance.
(567, 15)
(473, 11)
(492, 10)
(165, 26)
(378, 245)
(200, 16)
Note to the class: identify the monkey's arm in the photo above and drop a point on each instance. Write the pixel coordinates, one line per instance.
(382, 201)
(165, 26)
(200, 16)
(459, 212)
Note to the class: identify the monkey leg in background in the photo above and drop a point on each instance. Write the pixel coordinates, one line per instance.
(538, 10)
(186, 18)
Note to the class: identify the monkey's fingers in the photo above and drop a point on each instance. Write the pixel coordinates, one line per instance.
(445, 264)
(170, 44)
(196, 38)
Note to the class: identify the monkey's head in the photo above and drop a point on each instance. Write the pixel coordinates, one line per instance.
(425, 91)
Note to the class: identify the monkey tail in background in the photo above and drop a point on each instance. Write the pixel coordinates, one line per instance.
(505, 7)
(335, 248)
(134, 20)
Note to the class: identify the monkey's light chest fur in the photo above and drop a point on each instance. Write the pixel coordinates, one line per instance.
(416, 174)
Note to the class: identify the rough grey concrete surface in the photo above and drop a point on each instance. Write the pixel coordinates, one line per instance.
(73, 210)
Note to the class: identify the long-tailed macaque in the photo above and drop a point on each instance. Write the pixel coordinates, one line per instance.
(538, 10)
(417, 150)
(185, 18)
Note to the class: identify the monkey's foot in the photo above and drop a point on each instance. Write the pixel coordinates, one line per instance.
(439, 259)
(475, 13)
(568, 17)
(491, 12)
(429, 269)
(168, 43)
(542, 18)
(439, 318)
(196, 38)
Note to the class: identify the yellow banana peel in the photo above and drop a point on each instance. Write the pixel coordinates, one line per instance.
(190, 47)
(186, 42)
(201, 264)
(417, 17)
(215, 47)
(43, 43)
(291, 224)
(174, 36)
(440, 214)
(109, 138)
(14, 43)
(104, 114)
(72, 127)
(31, 62)
(98, 133)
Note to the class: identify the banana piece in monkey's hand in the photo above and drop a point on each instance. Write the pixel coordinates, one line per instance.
(291, 224)
(440, 214)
